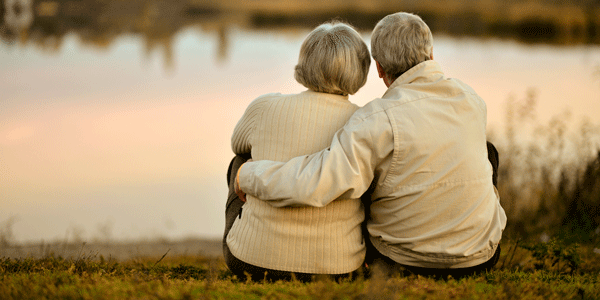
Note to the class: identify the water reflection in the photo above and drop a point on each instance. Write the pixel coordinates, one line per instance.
(45, 23)
(89, 138)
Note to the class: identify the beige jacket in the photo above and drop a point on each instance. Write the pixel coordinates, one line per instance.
(423, 145)
(325, 240)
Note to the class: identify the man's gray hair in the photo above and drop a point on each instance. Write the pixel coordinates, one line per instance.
(399, 42)
(333, 59)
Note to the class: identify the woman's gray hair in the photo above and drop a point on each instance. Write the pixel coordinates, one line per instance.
(401, 41)
(333, 59)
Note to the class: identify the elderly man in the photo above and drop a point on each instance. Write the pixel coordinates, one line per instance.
(421, 148)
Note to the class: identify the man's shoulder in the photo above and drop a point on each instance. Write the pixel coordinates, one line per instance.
(385, 103)
(462, 85)
(380, 107)
(373, 108)
(373, 117)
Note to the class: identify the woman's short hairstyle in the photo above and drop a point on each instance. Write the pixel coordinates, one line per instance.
(333, 59)
(399, 42)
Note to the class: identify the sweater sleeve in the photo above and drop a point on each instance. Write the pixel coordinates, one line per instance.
(345, 170)
(242, 134)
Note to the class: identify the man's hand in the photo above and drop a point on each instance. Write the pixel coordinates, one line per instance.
(236, 184)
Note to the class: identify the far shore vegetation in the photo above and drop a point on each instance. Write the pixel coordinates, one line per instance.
(98, 23)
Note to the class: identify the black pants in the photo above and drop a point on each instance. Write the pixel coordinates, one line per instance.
(388, 266)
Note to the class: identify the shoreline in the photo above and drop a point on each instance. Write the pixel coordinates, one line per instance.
(119, 251)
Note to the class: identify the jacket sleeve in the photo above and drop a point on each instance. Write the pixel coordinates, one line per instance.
(345, 170)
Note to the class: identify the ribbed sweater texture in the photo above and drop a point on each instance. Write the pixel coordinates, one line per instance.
(326, 240)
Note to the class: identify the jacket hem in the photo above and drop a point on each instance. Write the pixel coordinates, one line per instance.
(408, 257)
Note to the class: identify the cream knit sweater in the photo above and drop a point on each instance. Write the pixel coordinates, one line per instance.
(325, 240)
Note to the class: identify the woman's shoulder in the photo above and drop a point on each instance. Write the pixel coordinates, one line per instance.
(263, 100)
(266, 98)
(270, 99)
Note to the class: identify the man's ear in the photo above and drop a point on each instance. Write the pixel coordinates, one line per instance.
(383, 75)
(431, 55)
(380, 70)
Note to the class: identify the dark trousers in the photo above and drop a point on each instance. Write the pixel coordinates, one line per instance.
(375, 258)
(388, 266)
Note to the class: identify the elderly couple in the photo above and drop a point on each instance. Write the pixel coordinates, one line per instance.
(413, 166)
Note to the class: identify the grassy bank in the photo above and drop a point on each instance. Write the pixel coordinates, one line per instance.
(552, 270)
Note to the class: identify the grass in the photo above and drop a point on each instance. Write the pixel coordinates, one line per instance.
(552, 270)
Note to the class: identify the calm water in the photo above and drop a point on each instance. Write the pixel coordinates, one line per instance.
(130, 140)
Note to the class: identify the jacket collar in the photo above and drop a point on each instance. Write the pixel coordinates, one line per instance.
(426, 71)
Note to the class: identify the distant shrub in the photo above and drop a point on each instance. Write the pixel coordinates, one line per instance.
(582, 217)
(6, 232)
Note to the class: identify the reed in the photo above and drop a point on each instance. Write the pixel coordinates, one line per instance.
(549, 176)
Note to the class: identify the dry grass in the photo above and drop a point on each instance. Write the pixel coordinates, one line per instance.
(518, 275)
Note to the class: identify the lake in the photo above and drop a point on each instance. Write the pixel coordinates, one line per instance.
(128, 137)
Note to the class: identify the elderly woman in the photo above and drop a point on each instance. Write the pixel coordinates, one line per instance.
(273, 243)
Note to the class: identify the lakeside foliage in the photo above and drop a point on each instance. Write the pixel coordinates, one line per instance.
(549, 174)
